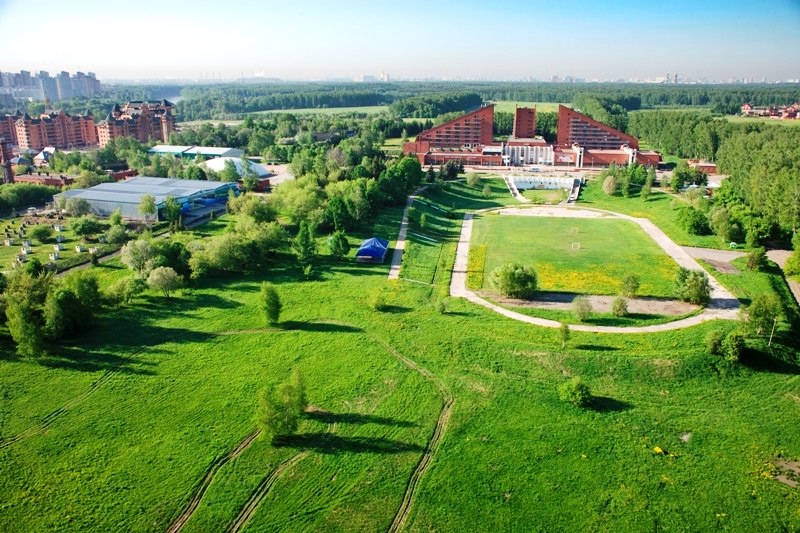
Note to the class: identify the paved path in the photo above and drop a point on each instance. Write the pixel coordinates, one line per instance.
(397, 255)
(723, 304)
(713, 255)
(512, 188)
(780, 257)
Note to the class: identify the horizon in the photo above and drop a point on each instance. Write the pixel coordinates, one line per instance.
(355, 38)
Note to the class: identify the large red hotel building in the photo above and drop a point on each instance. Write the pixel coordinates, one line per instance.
(581, 142)
(140, 120)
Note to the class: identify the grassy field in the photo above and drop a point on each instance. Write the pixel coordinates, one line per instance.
(116, 428)
(608, 249)
(508, 106)
(657, 208)
(366, 110)
(545, 197)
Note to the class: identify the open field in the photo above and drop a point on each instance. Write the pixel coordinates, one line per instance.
(657, 209)
(736, 119)
(366, 110)
(508, 106)
(606, 251)
(117, 428)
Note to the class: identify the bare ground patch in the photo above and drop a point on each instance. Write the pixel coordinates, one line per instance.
(600, 304)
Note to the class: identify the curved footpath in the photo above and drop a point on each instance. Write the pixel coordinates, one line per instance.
(723, 304)
(397, 254)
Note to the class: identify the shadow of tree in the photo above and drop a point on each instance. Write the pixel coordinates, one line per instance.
(319, 327)
(604, 404)
(596, 348)
(331, 444)
(357, 418)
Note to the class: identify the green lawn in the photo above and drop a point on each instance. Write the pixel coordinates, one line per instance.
(508, 106)
(367, 110)
(545, 197)
(658, 208)
(119, 425)
(606, 251)
(430, 249)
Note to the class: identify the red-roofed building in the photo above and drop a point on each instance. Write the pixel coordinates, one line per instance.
(577, 128)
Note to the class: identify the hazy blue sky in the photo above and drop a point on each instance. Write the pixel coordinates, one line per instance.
(513, 39)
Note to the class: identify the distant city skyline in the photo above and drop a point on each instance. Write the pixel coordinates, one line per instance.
(307, 39)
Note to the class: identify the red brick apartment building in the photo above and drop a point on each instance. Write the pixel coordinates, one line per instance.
(140, 120)
(581, 141)
(55, 128)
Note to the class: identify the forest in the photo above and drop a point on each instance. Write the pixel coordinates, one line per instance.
(422, 99)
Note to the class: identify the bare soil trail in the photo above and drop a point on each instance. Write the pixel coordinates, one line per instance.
(403, 512)
(249, 509)
(190, 508)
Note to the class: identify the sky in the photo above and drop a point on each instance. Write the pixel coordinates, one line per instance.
(322, 39)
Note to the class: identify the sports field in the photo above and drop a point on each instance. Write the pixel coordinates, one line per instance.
(576, 255)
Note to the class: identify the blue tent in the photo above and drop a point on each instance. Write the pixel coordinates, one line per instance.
(373, 250)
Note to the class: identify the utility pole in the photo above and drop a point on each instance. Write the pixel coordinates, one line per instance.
(774, 323)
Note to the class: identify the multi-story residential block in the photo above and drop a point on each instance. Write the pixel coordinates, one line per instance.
(140, 120)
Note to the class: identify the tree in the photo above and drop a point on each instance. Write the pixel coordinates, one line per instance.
(78, 207)
(576, 392)
(115, 218)
(756, 258)
(249, 176)
(693, 221)
(792, 266)
(305, 247)
(172, 212)
(647, 188)
(229, 172)
(582, 308)
(116, 234)
(487, 191)
(620, 306)
(564, 334)
(692, 286)
(714, 340)
(25, 328)
(610, 185)
(338, 244)
(280, 409)
(138, 255)
(473, 179)
(732, 346)
(147, 207)
(270, 304)
(41, 232)
(275, 415)
(298, 386)
(761, 314)
(86, 226)
(124, 290)
(164, 279)
(514, 280)
(630, 285)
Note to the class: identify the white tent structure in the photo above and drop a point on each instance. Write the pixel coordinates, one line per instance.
(218, 165)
